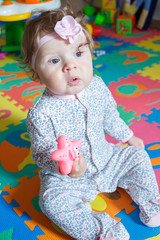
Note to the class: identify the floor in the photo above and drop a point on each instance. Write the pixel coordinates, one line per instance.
(130, 67)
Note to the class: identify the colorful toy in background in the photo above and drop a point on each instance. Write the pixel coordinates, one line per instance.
(105, 16)
(13, 36)
(142, 9)
(136, 13)
(110, 4)
(125, 24)
(66, 153)
(89, 10)
(111, 10)
(13, 15)
(11, 10)
(94, 30)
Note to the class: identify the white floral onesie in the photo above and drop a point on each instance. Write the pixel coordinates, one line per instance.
(85, 117)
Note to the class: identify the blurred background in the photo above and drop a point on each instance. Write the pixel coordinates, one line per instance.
(79, 4)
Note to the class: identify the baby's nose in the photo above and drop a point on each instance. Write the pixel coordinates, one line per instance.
(69, 66)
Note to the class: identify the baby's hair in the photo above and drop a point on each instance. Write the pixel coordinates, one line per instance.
(44, 23)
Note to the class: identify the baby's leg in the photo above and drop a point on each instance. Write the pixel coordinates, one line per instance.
(69, 211)
(140, 182)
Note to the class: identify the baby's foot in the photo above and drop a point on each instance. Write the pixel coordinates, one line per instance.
(117, 233)
(110, 236)
(155, 220)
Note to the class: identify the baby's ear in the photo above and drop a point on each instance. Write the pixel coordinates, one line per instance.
(37, 77)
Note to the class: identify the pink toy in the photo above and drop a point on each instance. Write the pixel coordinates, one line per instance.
(66, 153)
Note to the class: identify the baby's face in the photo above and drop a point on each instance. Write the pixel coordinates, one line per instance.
(63, 67)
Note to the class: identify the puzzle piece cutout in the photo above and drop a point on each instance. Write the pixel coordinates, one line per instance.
(15, 156)
(9, 59)
(10, 220)
(113, 207)
(9, 139)
(133, 58)
(10, 113)
(151, 43)
(19, 138)
(12, 128)
(127, 116)
(135, 227)
(136, 93)
(6, 235)
(154, 238)
(26, 94)
(153, 150)
(98, 204)
(153, 72)
(153, 117)
(10, 79)
(27, 160)
(11, 178)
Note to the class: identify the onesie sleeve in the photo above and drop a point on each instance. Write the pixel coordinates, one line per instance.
(113, 124)
(43, 140)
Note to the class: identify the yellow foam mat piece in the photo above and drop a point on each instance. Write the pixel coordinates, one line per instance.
(152, 72)
(98, 204)
(151, 43)
(14, 113)
(154, 238)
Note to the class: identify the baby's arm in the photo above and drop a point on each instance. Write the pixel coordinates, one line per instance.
(43, 139)
(135, 141)
(113, 124)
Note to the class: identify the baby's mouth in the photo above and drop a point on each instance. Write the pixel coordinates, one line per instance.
(74, 81)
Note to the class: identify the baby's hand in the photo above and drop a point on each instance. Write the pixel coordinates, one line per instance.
(136, 142)
(79, 167)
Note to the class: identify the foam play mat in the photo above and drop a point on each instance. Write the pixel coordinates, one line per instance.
(130, 67)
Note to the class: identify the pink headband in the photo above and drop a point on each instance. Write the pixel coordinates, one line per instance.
(68, 28)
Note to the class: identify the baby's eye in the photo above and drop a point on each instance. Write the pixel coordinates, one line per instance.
(78, 54)
(54, 61)
(77, 154)
(75, 149)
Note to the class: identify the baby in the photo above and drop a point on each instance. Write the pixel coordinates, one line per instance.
(57, 51)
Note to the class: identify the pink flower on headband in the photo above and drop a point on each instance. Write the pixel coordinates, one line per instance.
(68, 28)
